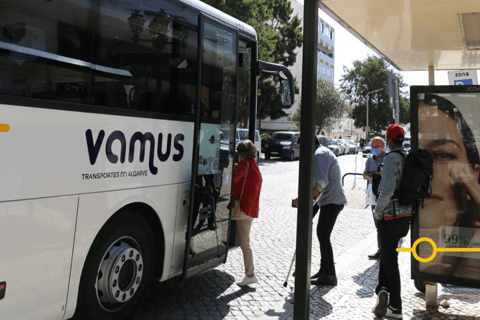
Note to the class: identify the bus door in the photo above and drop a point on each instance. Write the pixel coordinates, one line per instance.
(212, 170)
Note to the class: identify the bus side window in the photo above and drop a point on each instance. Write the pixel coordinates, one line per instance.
(10, 78)
(110, 94)
(160, 68)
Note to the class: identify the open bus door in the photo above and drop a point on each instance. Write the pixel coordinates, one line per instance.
(228, 77)
(212, 163)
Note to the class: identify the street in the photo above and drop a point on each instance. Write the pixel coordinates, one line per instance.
(215, 295)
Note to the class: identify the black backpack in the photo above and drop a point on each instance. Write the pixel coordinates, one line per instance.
(417, 176)
(376, 178)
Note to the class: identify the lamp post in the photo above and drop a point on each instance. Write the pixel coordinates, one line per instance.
(367, 129)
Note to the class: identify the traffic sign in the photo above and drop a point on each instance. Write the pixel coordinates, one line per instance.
(462, 77)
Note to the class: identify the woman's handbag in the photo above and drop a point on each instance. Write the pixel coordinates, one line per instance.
(237, 213)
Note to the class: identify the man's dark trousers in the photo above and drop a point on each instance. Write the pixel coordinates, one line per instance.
(390, 232)
(326, 222)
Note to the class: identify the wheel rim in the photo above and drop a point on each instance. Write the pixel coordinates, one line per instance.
(119, 274)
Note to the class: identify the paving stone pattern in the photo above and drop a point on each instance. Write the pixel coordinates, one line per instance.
(215, 295)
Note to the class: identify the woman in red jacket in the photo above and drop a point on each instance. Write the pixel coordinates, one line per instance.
(247, 177)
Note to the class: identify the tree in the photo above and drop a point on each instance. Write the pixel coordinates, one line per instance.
(329, 105)
(367, 76)
(279, 34)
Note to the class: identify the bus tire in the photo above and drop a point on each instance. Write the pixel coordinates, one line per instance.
(267, 156)
(118, 270)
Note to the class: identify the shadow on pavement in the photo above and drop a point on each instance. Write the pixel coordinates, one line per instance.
(169, 299)
(318, 303)
(462, 294)
(437, 314)
(364, 279)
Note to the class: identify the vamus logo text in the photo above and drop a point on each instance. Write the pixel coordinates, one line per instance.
(162, 150)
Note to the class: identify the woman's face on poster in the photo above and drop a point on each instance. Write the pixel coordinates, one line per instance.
(439, 134)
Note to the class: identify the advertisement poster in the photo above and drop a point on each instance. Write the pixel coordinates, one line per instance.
(446, 122)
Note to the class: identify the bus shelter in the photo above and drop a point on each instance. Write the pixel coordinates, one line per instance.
(413, 35)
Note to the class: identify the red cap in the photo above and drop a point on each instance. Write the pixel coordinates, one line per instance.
(396, 132)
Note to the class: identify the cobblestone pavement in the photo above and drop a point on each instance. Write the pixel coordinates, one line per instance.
(214, 294)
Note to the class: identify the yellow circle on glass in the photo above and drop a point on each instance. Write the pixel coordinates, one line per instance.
(414, 249)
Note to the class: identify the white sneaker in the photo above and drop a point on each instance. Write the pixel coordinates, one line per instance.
(380, 308)
(394, 313)
(247, 281)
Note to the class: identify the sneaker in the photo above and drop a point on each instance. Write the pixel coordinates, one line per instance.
(375, 256)
(380, 308)
(394, 313)
(248, 281)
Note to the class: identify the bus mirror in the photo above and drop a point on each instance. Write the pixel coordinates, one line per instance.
(286, 94)
(287, 83)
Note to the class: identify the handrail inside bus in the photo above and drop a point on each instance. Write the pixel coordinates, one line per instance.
(56, 57)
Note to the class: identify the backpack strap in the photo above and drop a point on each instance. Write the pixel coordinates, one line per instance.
(395, 193)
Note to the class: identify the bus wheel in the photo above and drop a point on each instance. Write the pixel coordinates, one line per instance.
(420, 285)
(118, 269)
(267, 156)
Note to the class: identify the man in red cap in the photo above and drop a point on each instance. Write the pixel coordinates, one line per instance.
(393, 223)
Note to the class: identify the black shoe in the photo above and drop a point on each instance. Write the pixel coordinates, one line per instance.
(325, 280)
(313, 277)
(318, 274)
(375, 256)
(212, 226)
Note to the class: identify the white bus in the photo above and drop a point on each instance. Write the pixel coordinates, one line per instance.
(110, 114)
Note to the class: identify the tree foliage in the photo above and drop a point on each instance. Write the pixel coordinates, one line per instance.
(279, 34)
(329, 105)
(367, 76)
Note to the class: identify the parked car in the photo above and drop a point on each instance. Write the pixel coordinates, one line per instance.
(367, 149)
(341, 146)
(353, 147)
(334, 145)
(323, 140)
(407, 144)
(346, 146)
(242, 134)
(283, 144)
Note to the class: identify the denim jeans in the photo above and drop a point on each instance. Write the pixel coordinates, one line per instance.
(326, 222)
(390, 232)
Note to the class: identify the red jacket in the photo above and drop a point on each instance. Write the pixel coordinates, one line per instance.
(251, 192)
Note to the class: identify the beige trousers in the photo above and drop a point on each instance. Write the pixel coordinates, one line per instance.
(243, 229)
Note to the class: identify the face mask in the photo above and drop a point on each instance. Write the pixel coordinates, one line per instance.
(376, 151)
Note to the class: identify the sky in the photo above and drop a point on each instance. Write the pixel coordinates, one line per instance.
(344, 56)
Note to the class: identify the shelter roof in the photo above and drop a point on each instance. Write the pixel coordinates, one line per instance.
(413, 34)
